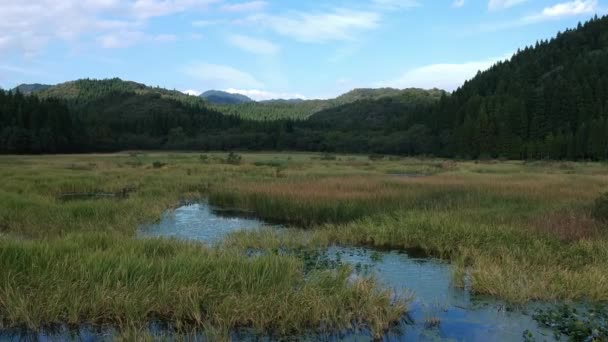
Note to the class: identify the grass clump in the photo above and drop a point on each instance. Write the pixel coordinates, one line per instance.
(600, 208)
(105, 279)
(233, 158)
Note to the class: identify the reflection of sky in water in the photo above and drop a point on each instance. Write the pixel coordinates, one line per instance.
(462, 318)
(197, 222)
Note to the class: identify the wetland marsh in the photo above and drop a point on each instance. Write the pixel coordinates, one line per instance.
(498, 238)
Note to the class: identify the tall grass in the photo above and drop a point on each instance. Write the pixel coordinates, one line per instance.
(105, 279)
(77, 261)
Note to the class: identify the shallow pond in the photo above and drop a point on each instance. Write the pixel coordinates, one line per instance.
(461, 317)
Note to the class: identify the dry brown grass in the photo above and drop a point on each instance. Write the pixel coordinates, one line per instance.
(568, 225)
(331, 188)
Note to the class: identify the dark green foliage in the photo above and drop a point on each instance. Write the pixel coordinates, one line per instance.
(549, 101)
(158, 164)
(224, 98)
(27, 89)
(32, 125)
(233, 158)
(577, 324)
(600, 209)
(328, 156)
(303, 109)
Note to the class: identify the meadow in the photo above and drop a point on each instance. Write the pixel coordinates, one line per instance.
(69, 254)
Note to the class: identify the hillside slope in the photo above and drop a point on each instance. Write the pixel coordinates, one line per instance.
(548, 101)
(224, 98)
(28, 89)
(303, 109)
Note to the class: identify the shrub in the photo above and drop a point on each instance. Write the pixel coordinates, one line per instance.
(233, 158)
(600, 209)
(157, 164)
(375, 157)
(328, 156)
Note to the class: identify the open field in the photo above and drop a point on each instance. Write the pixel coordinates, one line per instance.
(524, 231)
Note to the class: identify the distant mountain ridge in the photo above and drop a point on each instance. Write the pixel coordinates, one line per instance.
(219, 97)
(28, 89)
(297, 109)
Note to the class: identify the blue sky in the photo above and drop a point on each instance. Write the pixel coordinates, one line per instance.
(271, 48)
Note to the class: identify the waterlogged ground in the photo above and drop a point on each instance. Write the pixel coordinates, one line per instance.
(439, 311)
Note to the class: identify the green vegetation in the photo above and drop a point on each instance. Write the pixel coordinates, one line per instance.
(600, 209)
(579, 325)
(522, 231)
(224, 98)
(303, 109)
(104, 279)
(31, 88)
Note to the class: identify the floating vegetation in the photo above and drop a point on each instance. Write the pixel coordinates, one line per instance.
(579, 324)
(98, 194)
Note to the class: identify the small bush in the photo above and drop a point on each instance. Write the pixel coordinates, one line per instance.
(204, 158)
(600, 209)
(376, 157)
(328, 156)
(233, 158)
(157, 164)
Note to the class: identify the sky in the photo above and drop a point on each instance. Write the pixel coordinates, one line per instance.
(273, 48)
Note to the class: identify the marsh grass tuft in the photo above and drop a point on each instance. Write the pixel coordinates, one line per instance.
(600, 208)
(105, 279)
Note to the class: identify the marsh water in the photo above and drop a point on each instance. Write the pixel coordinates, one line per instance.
(461, 316)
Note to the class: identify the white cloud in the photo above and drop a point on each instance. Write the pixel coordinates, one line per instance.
(253, 45)
(245, 6)
(124, 39)
(205, 23)
(338, 24)
(31, 25)
(458, 3)
(495, 5)
(262, 95)
(192, 92)
(397, 4)
(220, 76)
(447, 76)
(120, 39)
(565, 9)
(158, 8)
(165, 38)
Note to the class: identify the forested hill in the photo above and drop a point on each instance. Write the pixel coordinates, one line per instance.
(103, 115)
(549, 101)
(31, 88)
(83, 91)
(302, 109)
(224, 98)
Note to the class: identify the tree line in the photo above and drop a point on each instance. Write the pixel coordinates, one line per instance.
(549, 100)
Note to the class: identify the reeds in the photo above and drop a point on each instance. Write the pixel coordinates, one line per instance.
(104, 279)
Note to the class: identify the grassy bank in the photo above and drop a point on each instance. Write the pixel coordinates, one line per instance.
(524, 231)
(104, 279)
